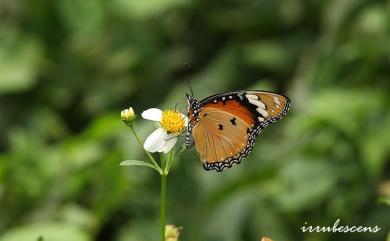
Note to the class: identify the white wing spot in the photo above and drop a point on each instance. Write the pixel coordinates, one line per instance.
(261, 119)
(262, 112)
(251, 97)
(276, 100)
(257, 103)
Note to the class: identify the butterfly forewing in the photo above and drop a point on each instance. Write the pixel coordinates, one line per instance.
(270, 106)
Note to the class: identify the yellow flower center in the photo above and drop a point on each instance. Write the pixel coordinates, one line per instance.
(172, 121)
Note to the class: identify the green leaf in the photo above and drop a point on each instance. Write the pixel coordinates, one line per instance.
(20, 61)
(46, 232)
(145, 9)
(137, 163)
(89, 12)
(384, 200)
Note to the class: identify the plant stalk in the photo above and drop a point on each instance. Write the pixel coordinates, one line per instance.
(147, 153)
(163, 204)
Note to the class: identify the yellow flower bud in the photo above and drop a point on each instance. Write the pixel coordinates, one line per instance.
(172, 233)
(128, 115)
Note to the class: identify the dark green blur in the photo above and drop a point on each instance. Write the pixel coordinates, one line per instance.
(68, 68)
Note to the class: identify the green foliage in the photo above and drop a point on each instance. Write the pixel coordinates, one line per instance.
(67, 69)
(138, 163)
(52, 231)
(20, 61)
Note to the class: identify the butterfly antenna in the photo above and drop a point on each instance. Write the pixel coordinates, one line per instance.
(187, 80)
(178, 136)
(177, 103)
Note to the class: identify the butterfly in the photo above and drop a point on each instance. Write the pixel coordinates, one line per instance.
(224, 127)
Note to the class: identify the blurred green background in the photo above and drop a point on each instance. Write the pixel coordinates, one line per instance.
(67, 69)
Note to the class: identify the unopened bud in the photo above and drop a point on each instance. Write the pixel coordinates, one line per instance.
(128, 116)
(172, 233)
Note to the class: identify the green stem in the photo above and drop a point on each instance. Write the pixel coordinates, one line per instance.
(168, 163)
(183, 148)
(147, 153)
(171, 158)
(163, 204)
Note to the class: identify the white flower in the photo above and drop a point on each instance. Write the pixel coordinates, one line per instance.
(164, 138)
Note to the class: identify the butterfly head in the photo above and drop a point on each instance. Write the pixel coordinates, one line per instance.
(191, 99)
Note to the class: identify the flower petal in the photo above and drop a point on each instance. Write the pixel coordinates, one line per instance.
(169, 143)
(155, 141)
(153, 114)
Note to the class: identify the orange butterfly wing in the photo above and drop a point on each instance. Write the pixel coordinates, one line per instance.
(219, 134)
(226, 125)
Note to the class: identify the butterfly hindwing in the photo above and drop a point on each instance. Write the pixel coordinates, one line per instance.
(221, 138)
(224, 127)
